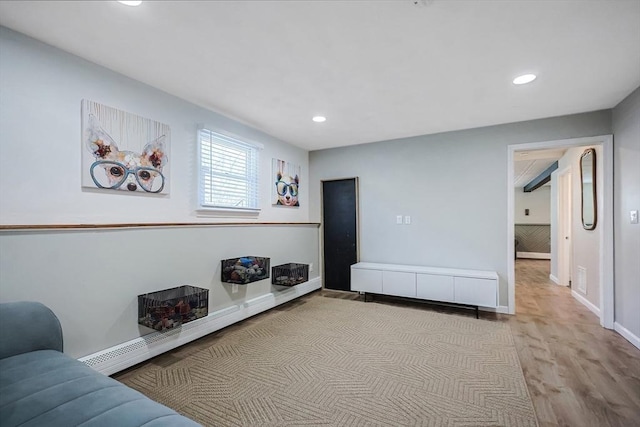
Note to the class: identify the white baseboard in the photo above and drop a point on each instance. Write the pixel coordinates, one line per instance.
(582, 300)
(125, 355)
(533, 255)
(554, 279)
(633, 339)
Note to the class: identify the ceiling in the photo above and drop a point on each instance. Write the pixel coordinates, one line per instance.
(377, 70)
(527, 165)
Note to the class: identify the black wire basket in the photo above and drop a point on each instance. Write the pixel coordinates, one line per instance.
(290, 274)
(245, 269)
(171, 308)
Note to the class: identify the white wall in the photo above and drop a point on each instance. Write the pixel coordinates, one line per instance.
(538, 202)
(42, 88)
(626, 128)
(585, 244)
(454, 186)
(91, 278)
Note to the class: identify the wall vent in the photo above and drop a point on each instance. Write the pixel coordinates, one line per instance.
(582, 280)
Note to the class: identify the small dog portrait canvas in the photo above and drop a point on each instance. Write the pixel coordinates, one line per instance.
(124, 152)
(286, 177)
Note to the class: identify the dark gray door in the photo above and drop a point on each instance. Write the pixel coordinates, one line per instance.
(340, 223)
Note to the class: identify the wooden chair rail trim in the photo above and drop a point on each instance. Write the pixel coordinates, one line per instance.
(27, 227)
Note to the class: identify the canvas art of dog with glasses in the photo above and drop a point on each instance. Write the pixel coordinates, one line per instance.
(287, 182)
(123, 151)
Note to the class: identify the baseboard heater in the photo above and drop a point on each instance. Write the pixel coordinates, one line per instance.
(130, 353)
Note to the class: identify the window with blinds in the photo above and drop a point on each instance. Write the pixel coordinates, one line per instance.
(228, 172)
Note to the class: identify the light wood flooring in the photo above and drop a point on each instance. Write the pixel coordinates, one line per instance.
(578, 373)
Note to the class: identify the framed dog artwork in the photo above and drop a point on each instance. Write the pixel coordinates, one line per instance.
(123, 152)
(286, 178)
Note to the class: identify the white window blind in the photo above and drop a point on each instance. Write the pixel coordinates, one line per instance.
(228, 172)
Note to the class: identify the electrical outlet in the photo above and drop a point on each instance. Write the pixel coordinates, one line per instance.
(633, 217)
(398, 219)
(234, 288)
(310, 267)
(407, 219)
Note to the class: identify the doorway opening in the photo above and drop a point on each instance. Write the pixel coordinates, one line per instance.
(604, 232)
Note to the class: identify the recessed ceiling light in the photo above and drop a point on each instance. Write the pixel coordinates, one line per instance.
(319, 119)
(131, 3)
(524, 79)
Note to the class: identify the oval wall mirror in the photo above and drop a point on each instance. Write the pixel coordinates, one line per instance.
(588, 188)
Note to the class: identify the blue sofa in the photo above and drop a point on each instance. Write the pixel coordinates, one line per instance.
(41, 386)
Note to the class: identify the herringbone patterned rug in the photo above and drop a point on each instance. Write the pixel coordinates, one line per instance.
(333, 362)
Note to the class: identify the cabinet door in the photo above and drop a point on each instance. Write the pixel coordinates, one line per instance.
(366, 280)
(434, 287)
(472, 291)
(399, 283)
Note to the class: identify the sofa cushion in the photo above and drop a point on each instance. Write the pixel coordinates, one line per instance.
(28, 326)
(48, 388)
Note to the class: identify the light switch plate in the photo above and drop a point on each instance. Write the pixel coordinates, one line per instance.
(399, 219)
(633, 217)
(407, 219)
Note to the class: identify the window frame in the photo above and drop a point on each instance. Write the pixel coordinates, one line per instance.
(229, 139)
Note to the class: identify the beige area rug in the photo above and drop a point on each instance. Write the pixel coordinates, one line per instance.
(333, 362)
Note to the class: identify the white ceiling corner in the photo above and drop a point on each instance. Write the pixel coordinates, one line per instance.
(377, 70)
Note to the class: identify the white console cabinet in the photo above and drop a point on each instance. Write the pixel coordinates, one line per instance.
(456, 286)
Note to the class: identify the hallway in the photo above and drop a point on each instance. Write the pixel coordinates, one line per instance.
(578, 373)
(537, 295)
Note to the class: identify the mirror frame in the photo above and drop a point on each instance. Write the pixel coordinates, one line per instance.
(592, 152)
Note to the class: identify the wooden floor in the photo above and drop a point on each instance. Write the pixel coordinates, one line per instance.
(578, 373)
